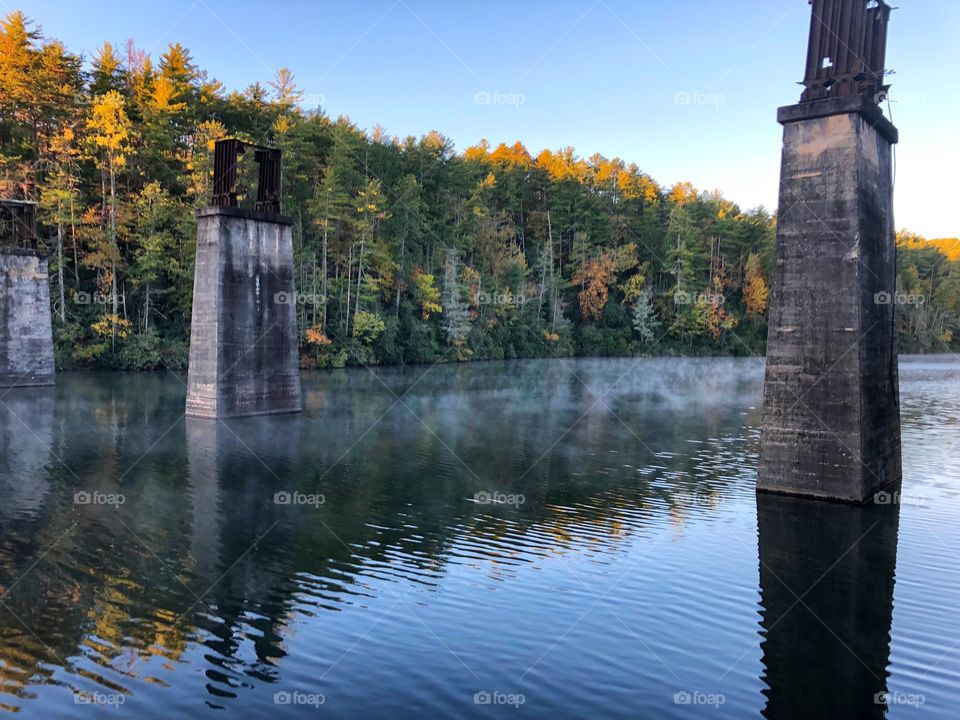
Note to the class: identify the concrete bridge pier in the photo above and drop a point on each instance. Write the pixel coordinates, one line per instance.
(831, 416)
(243, 338)
(26, 330)
(831, 410)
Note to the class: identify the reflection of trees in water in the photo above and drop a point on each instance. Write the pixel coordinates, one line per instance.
(75, 575)
(200, 516)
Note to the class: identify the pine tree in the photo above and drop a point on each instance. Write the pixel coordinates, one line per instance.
(109, 129)
(456, 316)
(644, 317)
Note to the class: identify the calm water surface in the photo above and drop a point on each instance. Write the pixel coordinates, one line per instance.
(344, 563)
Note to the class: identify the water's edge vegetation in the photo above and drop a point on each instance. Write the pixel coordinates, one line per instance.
(406, 251)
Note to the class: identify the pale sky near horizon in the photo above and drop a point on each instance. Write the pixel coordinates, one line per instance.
(687, 89)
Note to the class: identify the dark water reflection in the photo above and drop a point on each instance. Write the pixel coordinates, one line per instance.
(626, 582)
(826, 587)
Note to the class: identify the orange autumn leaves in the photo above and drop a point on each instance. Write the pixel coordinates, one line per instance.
(756, 294)
(608, 174)
(597, 275)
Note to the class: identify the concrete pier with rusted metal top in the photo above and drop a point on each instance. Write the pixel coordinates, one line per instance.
(831, 420)
(243, 339)
(831, 406)
(26, 332)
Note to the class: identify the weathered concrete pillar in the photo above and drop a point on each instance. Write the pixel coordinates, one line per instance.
(26, 331)
(243, 339)
(831, 418)
(831, 415)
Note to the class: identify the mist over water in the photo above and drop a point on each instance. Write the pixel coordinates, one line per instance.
(557, 538)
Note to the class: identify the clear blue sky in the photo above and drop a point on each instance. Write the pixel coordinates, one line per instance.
(600, 75)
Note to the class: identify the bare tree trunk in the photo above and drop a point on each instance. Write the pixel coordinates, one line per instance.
(349, 287)
(678, 262)
(313, 264)
(554, 284)
(543, 285)
(113, 251)
(523, 235)
(63, 295)
(339, 295)
(301, 316)
(103, 196)
(323, 277)
(73, 236)
(711, 263)
(359, 278)
(403, 242)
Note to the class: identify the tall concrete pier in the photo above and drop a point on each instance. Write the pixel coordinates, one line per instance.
(26, 332)
(243, 338)
(831, 416)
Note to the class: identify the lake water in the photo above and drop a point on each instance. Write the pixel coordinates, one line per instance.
(557, 539)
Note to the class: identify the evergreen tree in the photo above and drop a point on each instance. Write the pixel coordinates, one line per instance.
(456, 317)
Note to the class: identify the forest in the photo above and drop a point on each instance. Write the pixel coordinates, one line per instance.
(406, 250)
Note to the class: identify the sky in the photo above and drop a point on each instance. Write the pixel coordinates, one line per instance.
(686, 89)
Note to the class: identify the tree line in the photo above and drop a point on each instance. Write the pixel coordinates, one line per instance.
(405, 250)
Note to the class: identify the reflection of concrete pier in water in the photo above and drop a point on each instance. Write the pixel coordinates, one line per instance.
(241, 542)
(826, 614)
(26, 438)
(234, 471)
(204, 478)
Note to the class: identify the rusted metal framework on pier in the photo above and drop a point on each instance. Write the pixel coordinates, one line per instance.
(226, 157)
(18, 223)
(847, 49)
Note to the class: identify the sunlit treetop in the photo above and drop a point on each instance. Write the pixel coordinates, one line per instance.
(682, 193)
(563, 165)
(515, 155)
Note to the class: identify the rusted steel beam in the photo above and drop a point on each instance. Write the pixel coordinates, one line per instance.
(268, 185)
(226, 158)
(226, 155)
(846, 52)
(18, 223)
